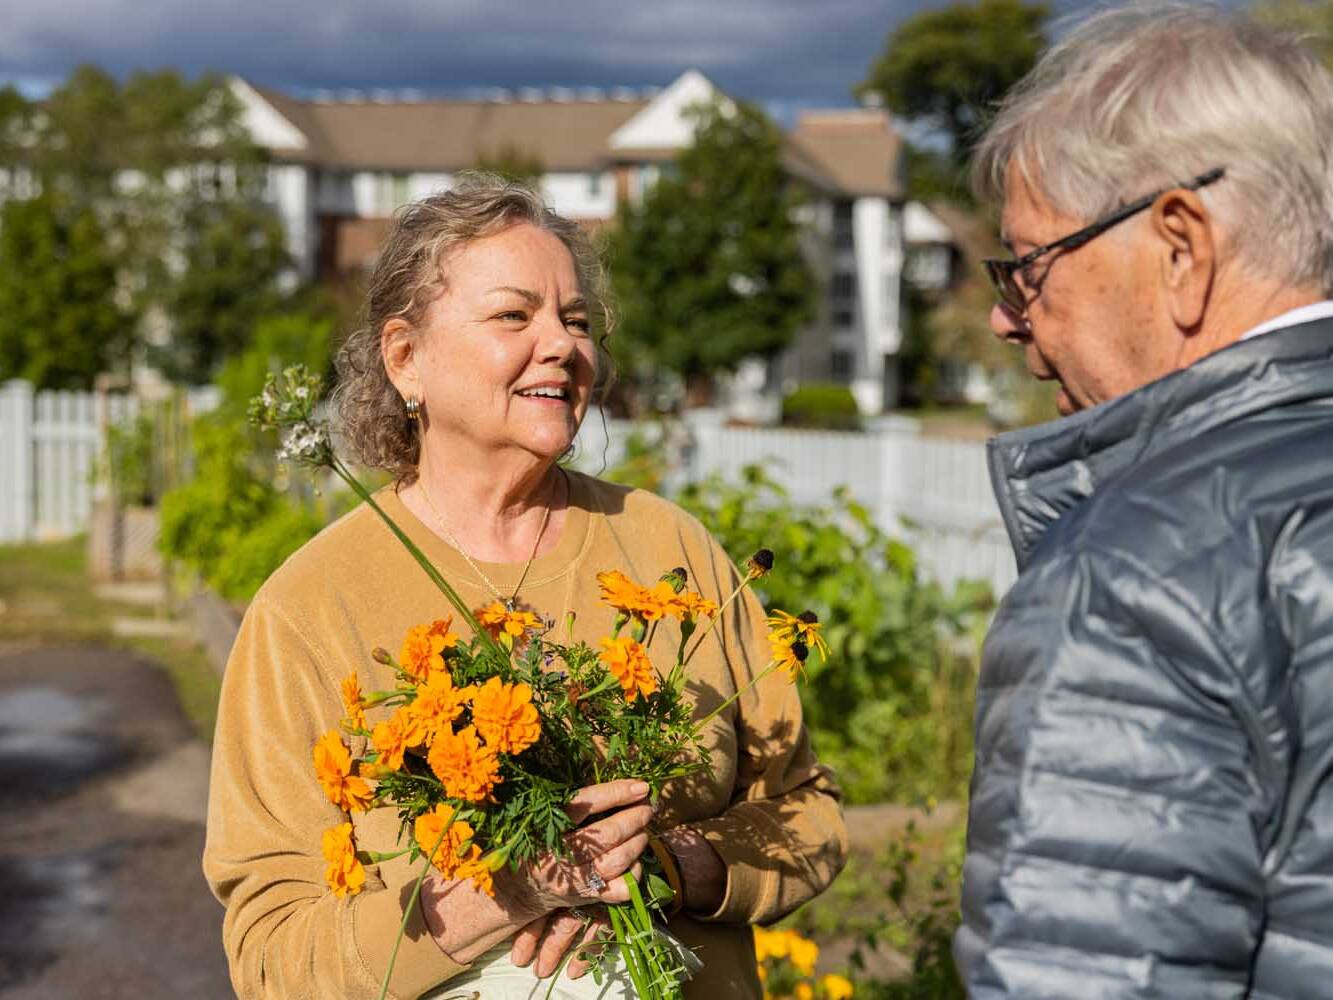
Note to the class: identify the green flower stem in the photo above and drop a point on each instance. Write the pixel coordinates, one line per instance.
(419, 556)
(407, 912)
(714, 713)
(712, 622)
(378, 857)
(628, 952)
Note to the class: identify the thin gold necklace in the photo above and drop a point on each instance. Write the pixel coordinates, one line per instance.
(509, 601)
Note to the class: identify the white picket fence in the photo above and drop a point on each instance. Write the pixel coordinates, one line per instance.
(50, 442)
(933, 492)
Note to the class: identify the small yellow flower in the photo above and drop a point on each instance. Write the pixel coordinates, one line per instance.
(629, 662)
(789, 656)
(803, 954)
(836, 987)
(345, 874)
(505, 716)
(770, 944)
(803, 628)
(333, 767)
(804, 991)
(352, 703)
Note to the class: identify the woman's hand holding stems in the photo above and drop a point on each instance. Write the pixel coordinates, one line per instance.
(537, 905)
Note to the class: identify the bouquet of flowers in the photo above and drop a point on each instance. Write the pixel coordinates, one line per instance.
(481, 743)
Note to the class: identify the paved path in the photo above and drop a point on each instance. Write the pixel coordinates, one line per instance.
(102, 795)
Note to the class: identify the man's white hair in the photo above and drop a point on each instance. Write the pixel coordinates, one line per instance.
(1143, 97)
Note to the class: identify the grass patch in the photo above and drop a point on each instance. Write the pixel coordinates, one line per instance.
(46, 598)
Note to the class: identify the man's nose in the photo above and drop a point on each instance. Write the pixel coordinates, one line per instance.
(1008, 325)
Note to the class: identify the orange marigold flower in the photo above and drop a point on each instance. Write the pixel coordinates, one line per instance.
(345, 873)
(505, 716)
(443, 627)
(333, 766)
(480, 873)
(438, 831)
(438, 704)
(694, 605)
(628, 660)
(394, 737)
(423, 652)
(499, 621)
(469, 769)
(657, 601)
(351, 694)
(619, 591)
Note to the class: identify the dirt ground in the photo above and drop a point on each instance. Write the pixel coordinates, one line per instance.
(102, 798)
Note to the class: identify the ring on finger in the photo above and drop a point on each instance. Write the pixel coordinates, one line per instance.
(583, 915)
(595, 881)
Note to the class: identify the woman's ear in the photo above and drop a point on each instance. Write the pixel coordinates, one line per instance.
(397, 348)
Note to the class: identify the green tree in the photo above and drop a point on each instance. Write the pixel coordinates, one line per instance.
(234, 255)
(166, 171)
(948, 67)
(60, 321)
(708, 268)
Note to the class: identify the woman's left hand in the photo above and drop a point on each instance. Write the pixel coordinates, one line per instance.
(548, 938)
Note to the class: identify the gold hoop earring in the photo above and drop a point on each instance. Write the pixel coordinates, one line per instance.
(413, 404)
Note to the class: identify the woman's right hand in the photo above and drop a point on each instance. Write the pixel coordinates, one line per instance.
(600, 851)
(465, 923)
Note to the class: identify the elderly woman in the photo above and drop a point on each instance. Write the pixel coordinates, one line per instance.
(468, 383)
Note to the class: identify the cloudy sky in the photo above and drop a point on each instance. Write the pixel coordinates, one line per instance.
(784, 53)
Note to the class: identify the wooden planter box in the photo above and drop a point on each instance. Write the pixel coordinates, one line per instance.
(122, 543)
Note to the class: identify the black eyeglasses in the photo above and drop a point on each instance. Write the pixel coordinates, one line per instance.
(1001, 271)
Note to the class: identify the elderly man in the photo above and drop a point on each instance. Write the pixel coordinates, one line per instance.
(1152, 805)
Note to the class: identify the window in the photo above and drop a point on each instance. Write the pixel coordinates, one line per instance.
(844, 316)
(844, 286)
(842, 364)
(842, 226)
(595, 184)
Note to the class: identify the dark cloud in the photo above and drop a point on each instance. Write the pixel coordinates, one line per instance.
(794, 51)
(786, 53)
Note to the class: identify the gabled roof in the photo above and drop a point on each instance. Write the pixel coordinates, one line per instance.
(850, 152)
(448, 135)
(858, 148)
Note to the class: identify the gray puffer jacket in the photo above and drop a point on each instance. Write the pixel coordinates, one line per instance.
(1152, 805)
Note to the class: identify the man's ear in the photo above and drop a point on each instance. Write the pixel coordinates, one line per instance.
(398, 348)
(1188, 235)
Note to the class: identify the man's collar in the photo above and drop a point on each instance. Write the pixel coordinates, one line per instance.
(1040, 473)
(1293, 317)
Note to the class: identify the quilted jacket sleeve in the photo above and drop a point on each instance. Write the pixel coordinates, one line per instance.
(1122, 785)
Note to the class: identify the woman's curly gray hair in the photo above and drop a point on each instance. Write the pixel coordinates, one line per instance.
(409, 275)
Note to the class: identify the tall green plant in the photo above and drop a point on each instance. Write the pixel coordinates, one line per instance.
(891, 706)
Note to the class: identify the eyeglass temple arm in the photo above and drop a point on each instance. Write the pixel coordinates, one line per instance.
(1076, 240)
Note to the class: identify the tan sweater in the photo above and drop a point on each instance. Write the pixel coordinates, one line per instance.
(771, 812)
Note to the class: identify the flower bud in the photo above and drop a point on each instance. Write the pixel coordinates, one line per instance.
(381, 655)
(761, 562)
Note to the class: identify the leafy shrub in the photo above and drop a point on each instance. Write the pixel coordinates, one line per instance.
(822, 406)
(229, 522)
(129, 462)
(891, 709)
